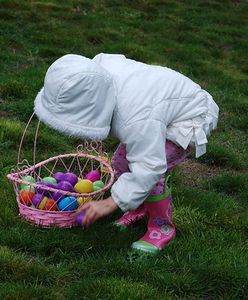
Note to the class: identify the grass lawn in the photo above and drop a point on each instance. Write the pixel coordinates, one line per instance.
(206, 41)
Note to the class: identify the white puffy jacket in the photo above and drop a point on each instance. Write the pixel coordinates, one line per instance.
(142, 105)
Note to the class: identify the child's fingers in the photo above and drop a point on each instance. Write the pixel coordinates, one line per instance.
(89, 217)
(85, 207)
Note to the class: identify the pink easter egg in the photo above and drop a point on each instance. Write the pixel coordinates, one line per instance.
(93, 176)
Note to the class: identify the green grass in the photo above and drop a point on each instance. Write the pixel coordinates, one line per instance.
(205, 40)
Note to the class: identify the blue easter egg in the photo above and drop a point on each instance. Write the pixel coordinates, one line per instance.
(68, 203)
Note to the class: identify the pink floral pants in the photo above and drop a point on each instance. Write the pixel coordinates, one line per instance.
(174, 155)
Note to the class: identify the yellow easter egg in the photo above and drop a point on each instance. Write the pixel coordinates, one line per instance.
(43, 203)
(83, 186)
(82, 200)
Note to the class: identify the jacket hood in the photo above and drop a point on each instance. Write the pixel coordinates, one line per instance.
(78, 98)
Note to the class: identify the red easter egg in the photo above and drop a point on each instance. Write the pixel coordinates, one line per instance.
(26, 197)
(50, 204)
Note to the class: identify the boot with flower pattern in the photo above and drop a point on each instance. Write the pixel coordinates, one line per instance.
(160, 229)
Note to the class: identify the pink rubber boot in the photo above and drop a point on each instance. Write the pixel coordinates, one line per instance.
(130, 217)
(160, 229)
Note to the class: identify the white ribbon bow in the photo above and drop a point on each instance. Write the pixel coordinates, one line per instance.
(188, 130)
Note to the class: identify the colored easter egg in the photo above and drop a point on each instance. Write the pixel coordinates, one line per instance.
(28, 179)
(41, 190)
(68, 203)
(28, 188)
(82, 200)
(65, 186)
(57, 196)
(99, 183)
(26, 197)
(50, 204)
(93, 176)
(70, 177)
(42, 203)
(49, 179)
(37, 199)
(58, 176)
(96, 188)
(84, 186)
(79, 218)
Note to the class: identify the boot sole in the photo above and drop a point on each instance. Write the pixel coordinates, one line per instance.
(121, 227)
(146, 247)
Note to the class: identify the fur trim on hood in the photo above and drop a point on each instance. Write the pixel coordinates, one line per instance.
(78, 98)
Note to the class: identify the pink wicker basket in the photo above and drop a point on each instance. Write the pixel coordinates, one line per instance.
(87, 157)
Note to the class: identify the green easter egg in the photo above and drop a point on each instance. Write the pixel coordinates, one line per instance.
(96, 188)
(28, 188)
(98, 183)
(49, 179)
(27, 178)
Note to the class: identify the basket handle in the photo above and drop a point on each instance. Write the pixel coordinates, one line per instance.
(22, 139)
(88, 146)
(92, 146)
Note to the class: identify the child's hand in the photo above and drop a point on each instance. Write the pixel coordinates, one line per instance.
(95, 210)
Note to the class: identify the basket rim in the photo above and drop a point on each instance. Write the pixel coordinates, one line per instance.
(15, 175)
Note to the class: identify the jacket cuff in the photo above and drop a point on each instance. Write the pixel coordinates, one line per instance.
(122, 205)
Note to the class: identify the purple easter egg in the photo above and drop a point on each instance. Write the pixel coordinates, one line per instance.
(38, 189)
(65, 186)
(50, 184)
(41, 190)
(79, 218)
(59, 176)
(93, 176)
(37, 199)
(70, 177)
(57, 196)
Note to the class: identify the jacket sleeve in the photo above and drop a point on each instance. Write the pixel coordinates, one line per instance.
(145, 146)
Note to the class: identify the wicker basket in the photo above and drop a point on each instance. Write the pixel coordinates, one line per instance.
(88, 156)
